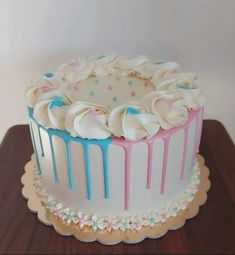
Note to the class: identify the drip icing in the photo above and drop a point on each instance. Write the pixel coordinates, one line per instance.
(34, 145)
(164, 165)
(40, 140)
(87, 170)
(69, 165)
(67, 138)
(53, 159)
(149, 169)
(105, 167)
(184, 152)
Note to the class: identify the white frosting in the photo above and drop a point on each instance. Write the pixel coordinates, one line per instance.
(52, 116)
(133, 222)
(166, 107)
(132, 122)
(169, 111)
(87, 121)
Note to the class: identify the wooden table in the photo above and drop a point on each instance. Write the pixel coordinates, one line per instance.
(211, 231)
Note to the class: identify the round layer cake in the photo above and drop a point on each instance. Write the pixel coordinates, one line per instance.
(115, 140)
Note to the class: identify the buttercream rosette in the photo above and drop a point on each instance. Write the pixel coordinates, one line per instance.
(183, 86)
(132, 121)
(169, 111)
(51, 113)
(88, 120)
(43, 87)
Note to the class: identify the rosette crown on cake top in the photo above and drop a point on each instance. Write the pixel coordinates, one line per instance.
(112, 96)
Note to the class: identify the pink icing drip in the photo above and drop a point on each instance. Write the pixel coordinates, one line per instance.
(184, 152)
(162, 134)
(149, 169)
(164, 165)
(127, 177)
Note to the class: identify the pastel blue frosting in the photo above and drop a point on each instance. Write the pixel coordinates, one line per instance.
(132, 111)
(183, 87)
(48, 74)
(56, 101)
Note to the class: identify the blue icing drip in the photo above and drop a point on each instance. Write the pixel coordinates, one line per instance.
(67, 138)
(69, 165)
(53, 159)
(87, 169)
(48, 74)
(56, 101)
(183, 87)
(34, 144)
(132, 111)
(104, 149)
(40, 140)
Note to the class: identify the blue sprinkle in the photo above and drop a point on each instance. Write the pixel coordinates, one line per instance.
(159, 62)
(56, 101)
(102, 56)
(96, 81)
(129, 83)
(48, 74)
(132, 111)
(184, 87)
(114, 99)
(91, 93)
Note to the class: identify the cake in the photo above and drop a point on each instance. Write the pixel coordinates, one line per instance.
(115, 141)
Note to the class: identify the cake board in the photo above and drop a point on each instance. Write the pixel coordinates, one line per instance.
(116, 236)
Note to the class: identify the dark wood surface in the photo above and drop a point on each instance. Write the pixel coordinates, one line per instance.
(211, 231)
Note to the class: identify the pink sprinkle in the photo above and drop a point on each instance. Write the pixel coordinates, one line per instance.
(165, 101)
(146, 83)
(110, 87)
(133, 93)
(117, 78)
(75, 63)
(93, 112)
(76, 87)
(46, 88)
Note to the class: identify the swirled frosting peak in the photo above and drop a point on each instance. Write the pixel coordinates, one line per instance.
(88, 121)
(132, 122)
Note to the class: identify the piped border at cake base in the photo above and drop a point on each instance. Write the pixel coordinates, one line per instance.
(87, 234)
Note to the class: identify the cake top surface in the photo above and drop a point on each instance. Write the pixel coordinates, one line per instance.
(113, 96)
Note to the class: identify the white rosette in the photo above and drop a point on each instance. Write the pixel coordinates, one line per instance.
(132, 122)
(88, 120)
(75, 71)
(42, 88)
(183, 86)
(163, 70)
(169, 111)
(51, 113)
(103, 65)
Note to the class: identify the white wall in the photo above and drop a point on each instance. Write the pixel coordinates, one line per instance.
(40, 35)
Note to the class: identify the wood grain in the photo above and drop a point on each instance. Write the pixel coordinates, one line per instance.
(211, 231)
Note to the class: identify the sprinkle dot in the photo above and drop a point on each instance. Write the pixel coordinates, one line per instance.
(159, 62)
(48, 74)
(146, 83)
(110, 87)
(97, 82)
(91, 93)
(117, 78)
(114, 99)
(133, 93)
(129, 82)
